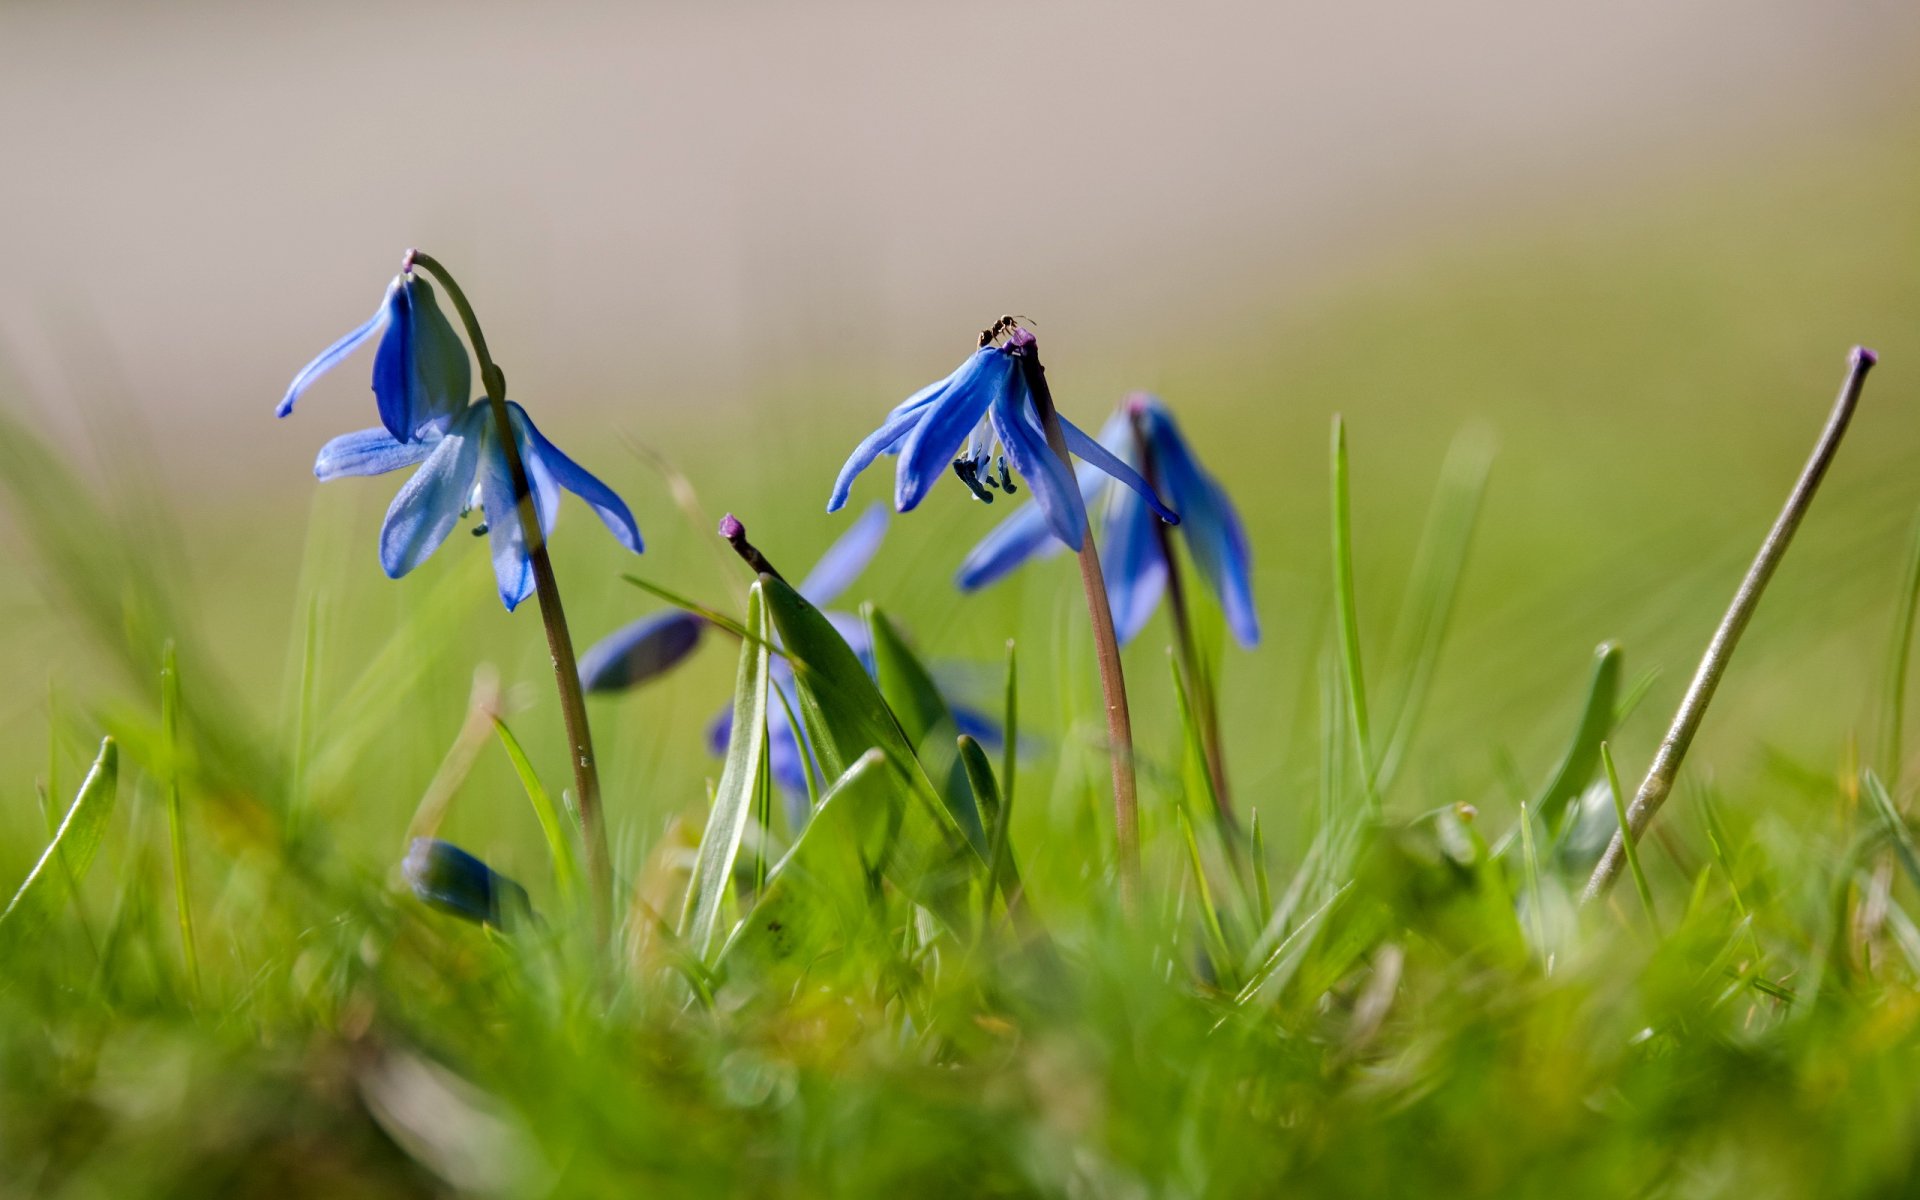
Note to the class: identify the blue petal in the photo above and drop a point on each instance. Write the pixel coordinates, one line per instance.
(430, 503)
(884, 440)
(393, 364)
(1213, 532)
(512, 560)
(846, 558)
(644, 650)
(421, 375)
(368, 452)
(1132, 563)
(1020, 537)
(332, 355)
(1054, 487)
(545, 459)
(943, 427)
(1097, 454)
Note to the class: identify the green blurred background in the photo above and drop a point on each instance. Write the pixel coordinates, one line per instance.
(1630, 248)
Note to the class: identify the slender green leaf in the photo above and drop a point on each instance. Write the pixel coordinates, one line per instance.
(1582, 758)
(739, 782)
(1626, 837)
(923, 716)
(560, 849)
(1347, 615)
(71, 851)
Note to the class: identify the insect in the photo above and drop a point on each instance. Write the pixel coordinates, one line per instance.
(1005, 325)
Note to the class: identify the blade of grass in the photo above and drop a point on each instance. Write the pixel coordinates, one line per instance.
(1433, 585)
(739, 780)
(72, 848)
(1633, 853)
(553, 826)
(176, 829)
(1894, 707)
(1347, 617)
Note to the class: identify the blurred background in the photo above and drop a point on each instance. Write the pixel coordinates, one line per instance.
(1629, 244)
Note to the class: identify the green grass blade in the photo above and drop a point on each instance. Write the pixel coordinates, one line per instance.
(1347, 615)
(176, 829)
(1263, 888)
(1894, 707)
(1433, 585)
(1582, 759)
(739, 782)
(698, 609)
(925, 719)
(1893, 825)
(1536, 899)
(1217, 950)
(1627, 838)
(553, 826)
(72, 850)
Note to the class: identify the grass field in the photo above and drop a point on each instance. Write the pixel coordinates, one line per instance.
(1364, 1006)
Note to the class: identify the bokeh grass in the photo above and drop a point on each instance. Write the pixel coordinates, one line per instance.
(1651, 366)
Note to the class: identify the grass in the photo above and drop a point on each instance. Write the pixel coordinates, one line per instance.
(214, 982)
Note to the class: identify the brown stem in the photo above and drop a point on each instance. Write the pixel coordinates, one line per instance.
(1686, 722)
(566, 669)
(1126, 802)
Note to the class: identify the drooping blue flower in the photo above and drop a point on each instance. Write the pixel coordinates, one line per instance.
(421, 374)
(448, 878)
(463, 466)
(1132, 559)
(976, 421)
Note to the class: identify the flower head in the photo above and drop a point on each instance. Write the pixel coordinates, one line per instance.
(979, 420)
(421, 375)
(1134, 560)
(448, 878)
(463, 465)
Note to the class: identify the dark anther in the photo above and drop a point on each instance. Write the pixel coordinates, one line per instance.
(480, 530)
(969, 475)
(1006, 477)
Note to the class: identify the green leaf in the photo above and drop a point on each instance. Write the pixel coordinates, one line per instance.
(1582, 759)
(739, 780)
(825, 893)
(68, 855)
(845, 717)
(566, 865)
(925, 719)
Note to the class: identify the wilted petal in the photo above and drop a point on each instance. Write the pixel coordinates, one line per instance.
(944, 425)
(846, 558)
(1212, 530)
(368, 452)
(1054, 487)
(332, 355)
(646, 649)
(450, 879)
(545, 460)
(431, 502)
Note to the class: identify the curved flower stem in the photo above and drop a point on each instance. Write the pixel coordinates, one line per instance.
(566, 670)
(1106, 647)
(1199, 680)
(1713, 664)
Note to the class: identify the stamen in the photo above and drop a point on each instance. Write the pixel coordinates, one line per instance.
(1006, 477)
(968, 473)
(480, 530)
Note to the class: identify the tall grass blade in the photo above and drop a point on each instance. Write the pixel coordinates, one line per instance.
(72, 849)
(1633, 852)
(176, 829)
(739, 782)
(1347, 616)
(553, 826)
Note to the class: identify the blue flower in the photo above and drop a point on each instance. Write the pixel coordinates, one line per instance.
(421, 375)
(463, 466)
(976, 421)
(448, 878)
(1133, 560)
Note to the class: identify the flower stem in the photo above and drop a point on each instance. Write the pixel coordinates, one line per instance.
(566, 670)
(1686, 722)
(1106, 647)
(1200, 684)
